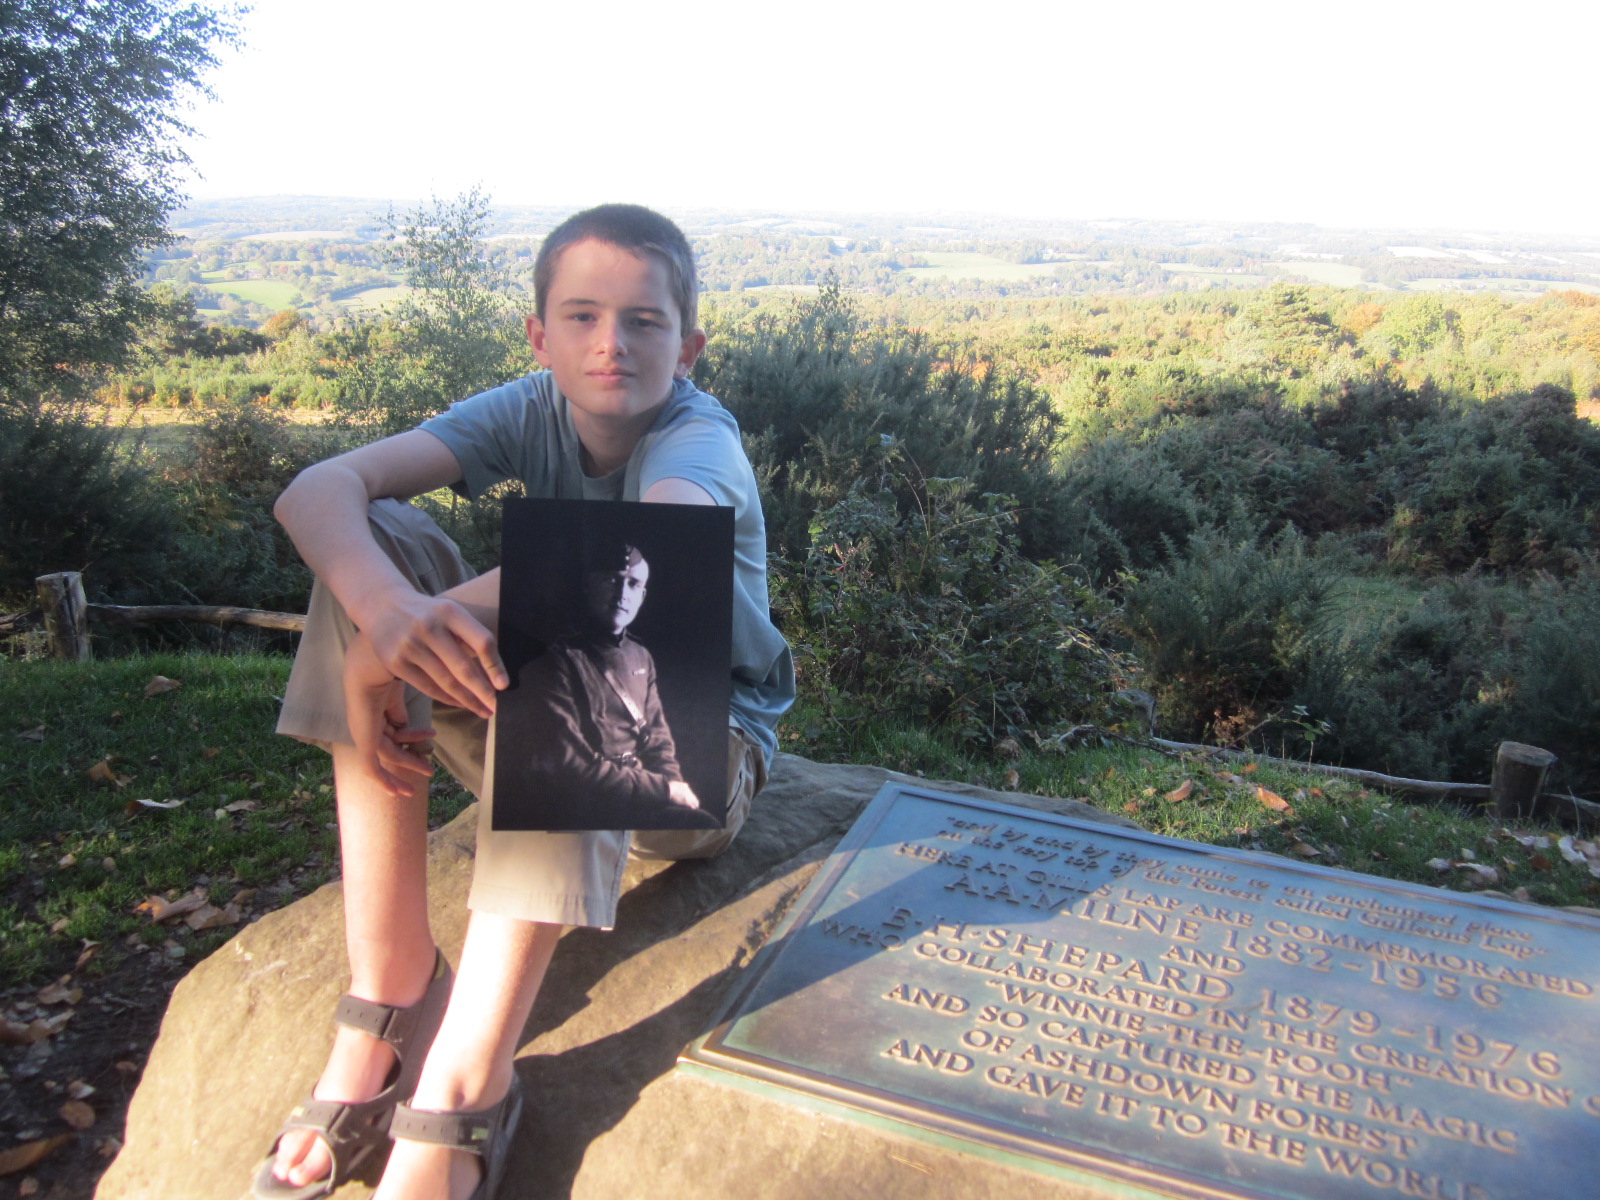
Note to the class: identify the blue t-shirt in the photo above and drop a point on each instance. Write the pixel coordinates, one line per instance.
(523, 430)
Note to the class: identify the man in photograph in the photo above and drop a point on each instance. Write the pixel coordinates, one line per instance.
(600, 745)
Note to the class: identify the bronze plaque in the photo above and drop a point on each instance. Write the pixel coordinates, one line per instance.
(1179, 1018)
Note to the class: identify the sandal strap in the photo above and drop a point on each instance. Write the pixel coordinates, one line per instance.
(459, 1131)
(393, 1024)
(368, 1016)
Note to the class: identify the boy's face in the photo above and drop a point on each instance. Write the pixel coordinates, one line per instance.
(611, 333)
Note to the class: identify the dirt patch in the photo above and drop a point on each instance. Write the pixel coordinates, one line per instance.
(75, 1081)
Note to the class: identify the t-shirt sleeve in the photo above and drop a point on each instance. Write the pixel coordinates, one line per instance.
(705, 451)
(488, 434)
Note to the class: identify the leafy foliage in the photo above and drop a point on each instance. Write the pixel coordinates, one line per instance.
(72, 499)
(89, 94)
(818, 392)
(458, 334)
(937, 616)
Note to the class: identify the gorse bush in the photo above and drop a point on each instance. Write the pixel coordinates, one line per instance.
(1227, 626)
(817, 394)
(74, 497)
(934, 614)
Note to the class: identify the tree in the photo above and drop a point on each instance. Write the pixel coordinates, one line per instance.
(90, 96)
(457, 333)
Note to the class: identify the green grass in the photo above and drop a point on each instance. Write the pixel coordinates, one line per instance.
(1347, 826)
(78, 857)
(968, 265)
(271, 292)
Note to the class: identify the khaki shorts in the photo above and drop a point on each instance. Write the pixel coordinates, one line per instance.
(556, 878)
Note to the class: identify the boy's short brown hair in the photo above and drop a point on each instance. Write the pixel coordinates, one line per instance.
(630, 227)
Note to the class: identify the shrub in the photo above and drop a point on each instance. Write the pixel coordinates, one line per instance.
(819, 395)
(75, 496)
(935, 615)
(1227, 626)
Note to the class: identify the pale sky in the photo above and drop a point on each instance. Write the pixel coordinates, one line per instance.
(1396, 113)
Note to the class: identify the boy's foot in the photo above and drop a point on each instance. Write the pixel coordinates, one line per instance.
(454, 1155)
(358, 1067)
(377, 1058)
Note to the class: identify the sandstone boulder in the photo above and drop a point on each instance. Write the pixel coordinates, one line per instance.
(247, 1030)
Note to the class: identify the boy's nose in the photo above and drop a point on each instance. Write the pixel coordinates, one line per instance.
(611, 341)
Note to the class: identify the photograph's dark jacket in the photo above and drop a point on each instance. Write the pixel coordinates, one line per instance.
(598, 732)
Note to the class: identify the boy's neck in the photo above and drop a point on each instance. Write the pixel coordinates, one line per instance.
(607, 445)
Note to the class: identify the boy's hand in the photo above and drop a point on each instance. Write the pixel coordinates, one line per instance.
(375, 707)
(439, 648)
(681, 794)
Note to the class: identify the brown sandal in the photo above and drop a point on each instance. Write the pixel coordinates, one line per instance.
(352, 1131)
(486, 1133)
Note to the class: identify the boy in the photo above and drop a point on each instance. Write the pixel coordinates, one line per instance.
(614, 417)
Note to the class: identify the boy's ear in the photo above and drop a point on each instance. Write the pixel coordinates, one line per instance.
(536, 340)
(690, 354)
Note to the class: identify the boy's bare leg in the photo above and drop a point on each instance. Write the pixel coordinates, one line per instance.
(503, 963)
(383, 842)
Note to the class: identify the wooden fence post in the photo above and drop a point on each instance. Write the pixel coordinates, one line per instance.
(1518, 779)
(66, 614)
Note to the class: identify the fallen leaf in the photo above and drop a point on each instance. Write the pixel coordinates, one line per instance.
(102, 773)
(1274, 801)
(1467, 855)
(1522, 894)
(33, 735)
(1570, 852)
(251, 805)
(1183, 791)
(1480, 872)
(108, 865)
(1305, 850)
(78, 1114)
(1247, 769)
(1440, 864)
(59, 993)
(86, 955)
(28, 1187)
(1012, 780)
(68, 860)
(14, 1033)
(135, 805)
(211, 917)
(1132, 806)
(210, 752)
(162, 909)
(161, 684)
(109, 1148)
(79, 1090)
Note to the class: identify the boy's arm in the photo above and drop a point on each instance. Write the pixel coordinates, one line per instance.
(432, 642)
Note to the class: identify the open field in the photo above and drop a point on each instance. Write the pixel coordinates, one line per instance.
(1332, 274)
(967, 265)
(270, 292)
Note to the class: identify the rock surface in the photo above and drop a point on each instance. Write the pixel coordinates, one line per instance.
(247, 1030)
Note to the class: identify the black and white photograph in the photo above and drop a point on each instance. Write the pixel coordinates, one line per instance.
(616, 628)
